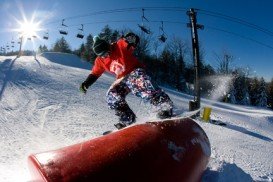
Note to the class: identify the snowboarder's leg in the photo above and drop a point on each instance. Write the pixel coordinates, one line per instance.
(116, 100)
(162, 100)
(141, 85)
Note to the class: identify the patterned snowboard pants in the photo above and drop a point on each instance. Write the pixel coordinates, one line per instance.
(139, 84)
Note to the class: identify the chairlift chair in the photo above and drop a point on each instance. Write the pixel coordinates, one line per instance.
(143, 27)
(46, 35)
(162, 37)
(63, 30)
(12, 43)
(80, 33)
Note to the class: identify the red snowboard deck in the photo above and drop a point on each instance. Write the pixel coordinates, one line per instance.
(171, 150)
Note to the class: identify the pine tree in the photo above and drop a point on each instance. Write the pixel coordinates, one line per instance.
(108, 34)
(42, 49)
(167, 60)
(246, 99)
(270, 94)
(240, 85)
(61, 45)
(253, 91)
(231, 95)
(81, 51)
(142, 49)
(89, 54)
(45, 49)
(261, 100)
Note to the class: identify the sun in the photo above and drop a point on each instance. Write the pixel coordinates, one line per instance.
(29, 29)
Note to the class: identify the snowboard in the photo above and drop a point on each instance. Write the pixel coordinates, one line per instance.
(217, 122)
(179, 115)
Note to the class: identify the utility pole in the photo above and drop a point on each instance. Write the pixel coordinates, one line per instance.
(194, 105)
(20, 49)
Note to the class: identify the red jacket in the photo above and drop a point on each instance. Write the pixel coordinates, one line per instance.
(120, 61)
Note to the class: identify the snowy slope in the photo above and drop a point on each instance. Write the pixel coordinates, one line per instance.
(41, 109)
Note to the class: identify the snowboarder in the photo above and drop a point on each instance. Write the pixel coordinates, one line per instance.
(118, 58)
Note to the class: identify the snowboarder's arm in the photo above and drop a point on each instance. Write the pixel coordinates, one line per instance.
(96, 72)
(88, 82)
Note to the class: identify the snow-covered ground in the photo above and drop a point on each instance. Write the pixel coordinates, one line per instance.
(41, 109)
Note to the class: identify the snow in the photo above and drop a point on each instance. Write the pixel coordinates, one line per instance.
(176, 150)
(42, 109)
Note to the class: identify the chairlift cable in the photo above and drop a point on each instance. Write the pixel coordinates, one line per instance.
(209, 13)
(236, 20)
(241, 36)
(205, 12)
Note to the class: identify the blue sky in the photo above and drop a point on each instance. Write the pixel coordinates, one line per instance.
(250, 47)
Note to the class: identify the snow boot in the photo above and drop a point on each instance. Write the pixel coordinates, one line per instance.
(164, 105)
(164, 114)
(126, 116)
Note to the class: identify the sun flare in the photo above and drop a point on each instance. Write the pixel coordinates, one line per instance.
(29, 29)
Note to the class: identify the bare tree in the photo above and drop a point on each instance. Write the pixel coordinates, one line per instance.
(179, 48)
(224, 61)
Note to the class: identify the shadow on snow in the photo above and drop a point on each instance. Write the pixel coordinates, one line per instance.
(228, 172)
(6, 68)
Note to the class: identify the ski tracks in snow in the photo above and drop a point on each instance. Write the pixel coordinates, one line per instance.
(234, 154)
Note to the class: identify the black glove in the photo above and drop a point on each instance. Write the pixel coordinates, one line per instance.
(132, 39)
(83, 87)
(88, 82)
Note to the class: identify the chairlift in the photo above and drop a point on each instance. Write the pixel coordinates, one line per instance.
(142, 26)
(12, 43)
(162, 37)
(80, 33)
(46, 35)
(63, 30)
(144, 29)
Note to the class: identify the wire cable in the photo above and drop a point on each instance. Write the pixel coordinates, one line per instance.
(241, 36)
(236, 20)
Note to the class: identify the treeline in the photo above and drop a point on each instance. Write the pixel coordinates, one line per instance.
(170, 64)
